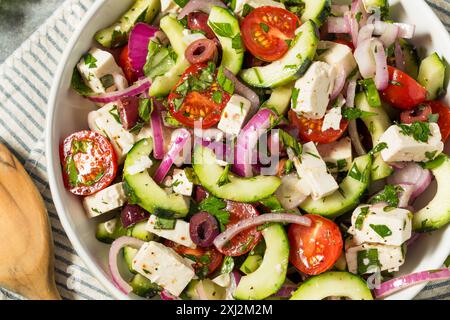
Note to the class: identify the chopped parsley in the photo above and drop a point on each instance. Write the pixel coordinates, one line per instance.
(165, 224)
(145, 109)
(226, 84)
(367, 261)
(434, 117)
(379, 147)
(224, 179)
(290, 142)
(356, 174)
(221, 29)
(430, 155)
(294, 98)
(420, 131)
(361, 217)
(217, 97)
(353, 114)
(246, 10)
(236, 43)
(227, 265)
(265, 27)
(80, 146)
(90, 61)
(373, 97)
(77, 83)
(115, 113)
(382, 230)
(107, 81)
(215, 206)
(388, 195)
(288, 167)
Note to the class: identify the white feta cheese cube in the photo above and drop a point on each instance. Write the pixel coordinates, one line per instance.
(403, 147)
(337, 155)
(239, 5)
(169, 7)
(181, 183)
(234, 115)
(104, 122)
(314, 90)
(104, 201)
(98, 68)
(292, 191)
(332, 119)
(313, 170)
(375, 225)
(337, 55)
(180, 234)
(370, 258)
(163, 266)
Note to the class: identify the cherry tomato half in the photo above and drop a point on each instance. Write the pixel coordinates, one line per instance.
(311, 129)
(247, 239)
(403, 91)
(315, 249)
(125, 64)
(88, 161)
(444, 117)
(421, 113)
(206, 260)
(266, 30)
(202, 102)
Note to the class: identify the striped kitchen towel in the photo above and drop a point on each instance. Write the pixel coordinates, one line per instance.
(25, 81)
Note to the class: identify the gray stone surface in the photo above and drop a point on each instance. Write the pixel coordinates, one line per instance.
(18, 20)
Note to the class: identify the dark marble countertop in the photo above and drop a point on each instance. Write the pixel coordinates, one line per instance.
(19, 19)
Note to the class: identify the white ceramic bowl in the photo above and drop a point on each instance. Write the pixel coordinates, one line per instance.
(67, 113)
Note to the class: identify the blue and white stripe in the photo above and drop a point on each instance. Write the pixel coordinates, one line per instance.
(25, 81)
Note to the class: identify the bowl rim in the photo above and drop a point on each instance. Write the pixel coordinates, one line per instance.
(435, 24)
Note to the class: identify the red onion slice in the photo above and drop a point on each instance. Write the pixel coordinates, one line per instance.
(406, 31)
(199, 5)
(399, 56)
(365, 33)
(394, 285)
(248, 139)
(338, 25)
(365, 59)
(158, 135)
(354, 27)
(175, 149)
(138, 45)
(244, 91)
(136, 89)
(235, 278)
(412, 174)
(381, 70)
(339, 83)
(242, 225)
(114, 252)
(404, 196)
(351, 93)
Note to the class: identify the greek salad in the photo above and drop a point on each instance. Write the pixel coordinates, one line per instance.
(260, 149)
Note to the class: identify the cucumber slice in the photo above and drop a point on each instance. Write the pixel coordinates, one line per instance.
(110, 230)
(270, 276)
(411, 58)
(350, 190)
(139, 231)
(377, 125)
(432, 75)
(251, 263)
(128, 255)
(238, 189)
(190, 293)
(280, 99)
(116, 35)
(174, 31)
(333, 284)
(317, 11)
(144, 287)
(291, 66)
(144, 191)
(230, 40)
(436, 214)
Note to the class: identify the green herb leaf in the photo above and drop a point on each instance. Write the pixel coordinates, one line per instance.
(227, 265)
(420, 131)
(290, 142)
(226, 84)
(217, 97)
(224, 179)
(181, 3)
(434, 117)
(221, 29)
(145, 109)
(361, 217)
(389, 194)
(80, 146)
(265, 27)
(165, 224)
(379, 147)
(294, 97)
(107, 81)
(236, 42)
(90, 61)
(373, 97)
(72, 172)
(367, 260)
(353, 114)
(382, 230)
(115, 113)
(215, 206)
(159, 60)
(78, 84)
(246, 10)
